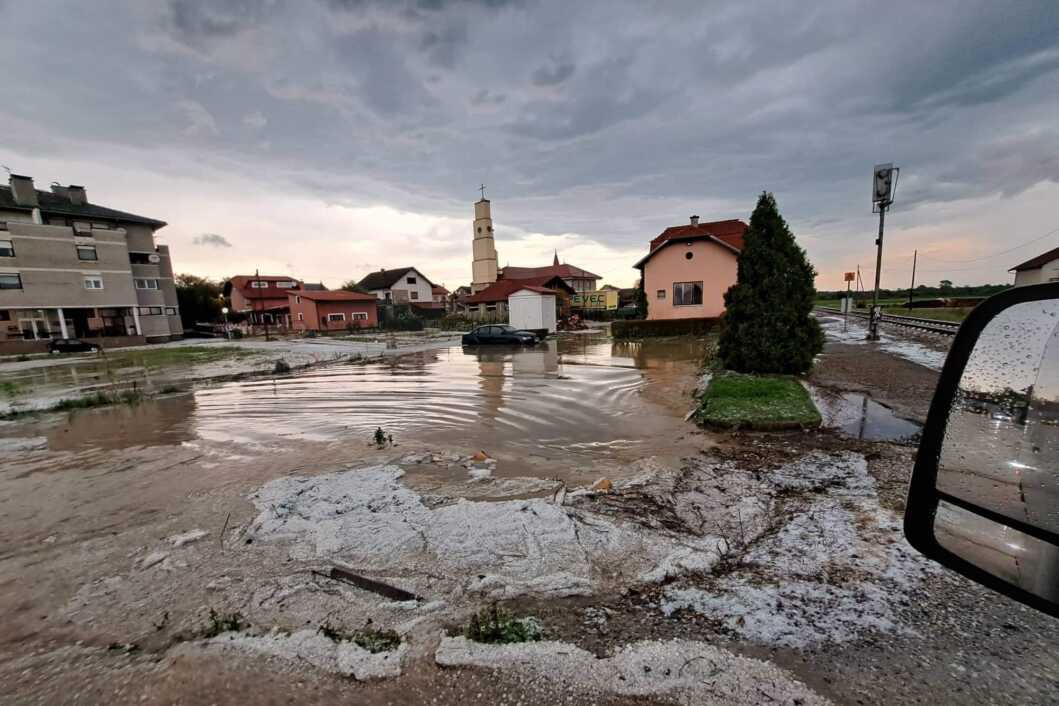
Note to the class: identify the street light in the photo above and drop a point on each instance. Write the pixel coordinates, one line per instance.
(227, 331)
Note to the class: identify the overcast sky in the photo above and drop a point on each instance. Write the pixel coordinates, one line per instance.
(326, 138)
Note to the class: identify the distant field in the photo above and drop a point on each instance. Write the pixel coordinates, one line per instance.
(956, 313)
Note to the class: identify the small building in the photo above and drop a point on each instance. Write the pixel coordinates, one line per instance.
(440, 297)
(492, 302)
(403, 285)
(531, 307)
(1043, 268)
(261, 298)
(312, 310)
(690, 267)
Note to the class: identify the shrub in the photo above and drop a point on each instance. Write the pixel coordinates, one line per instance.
(766, 327)
(282, 366)
(496, 626)
(455, 322)
(661, 327)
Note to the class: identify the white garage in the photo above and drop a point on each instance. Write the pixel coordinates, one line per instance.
(532, 308)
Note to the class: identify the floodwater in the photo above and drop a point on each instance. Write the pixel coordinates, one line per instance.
(573, 407)
(856, 415)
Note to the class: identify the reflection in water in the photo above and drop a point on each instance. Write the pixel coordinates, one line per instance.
(857, 415)
(569, 402)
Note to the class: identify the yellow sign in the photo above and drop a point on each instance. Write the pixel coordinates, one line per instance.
(602, 299)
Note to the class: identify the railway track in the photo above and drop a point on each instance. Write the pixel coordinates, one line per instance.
(944, 328)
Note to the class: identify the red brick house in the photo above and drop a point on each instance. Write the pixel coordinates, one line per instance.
(331, 311)
(263, 298)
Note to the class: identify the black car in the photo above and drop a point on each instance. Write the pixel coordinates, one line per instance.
(71, 345)
(499, 333)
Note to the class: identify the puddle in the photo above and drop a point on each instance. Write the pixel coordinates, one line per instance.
(564, 409)
(860, 417)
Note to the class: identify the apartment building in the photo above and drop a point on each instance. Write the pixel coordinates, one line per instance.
(72, 269)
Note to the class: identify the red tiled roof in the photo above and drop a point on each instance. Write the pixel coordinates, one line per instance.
(564, 271)
(730, 232)
(336, 296)
(242, 283)
(1039, 261)
(499, 291)
(438, 289)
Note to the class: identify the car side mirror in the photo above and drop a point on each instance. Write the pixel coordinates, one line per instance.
(984, 494)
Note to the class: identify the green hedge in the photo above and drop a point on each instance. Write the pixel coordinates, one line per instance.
(640, 328)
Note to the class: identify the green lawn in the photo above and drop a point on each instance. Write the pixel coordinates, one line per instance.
(955, 313)
(172, 357)
(734, 401)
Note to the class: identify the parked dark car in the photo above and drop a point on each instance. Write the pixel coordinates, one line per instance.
(71, 345)
(499, 333)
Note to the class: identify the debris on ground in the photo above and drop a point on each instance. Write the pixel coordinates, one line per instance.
(693, 672)
(153, 558)
(497, 550)
(385, 590)
(603, 485)
(179, 540)
(343, 657)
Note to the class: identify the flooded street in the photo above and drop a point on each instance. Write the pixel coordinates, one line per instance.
(565, 409)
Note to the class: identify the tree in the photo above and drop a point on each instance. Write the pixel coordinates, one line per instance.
(352, 286)
(767, 327)
(200, 299)
(945, 284)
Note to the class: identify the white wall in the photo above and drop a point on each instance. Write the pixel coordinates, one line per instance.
(531, 310)
(401, 290)
(1048, 272)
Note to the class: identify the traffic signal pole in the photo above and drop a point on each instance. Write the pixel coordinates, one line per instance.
(876, 314)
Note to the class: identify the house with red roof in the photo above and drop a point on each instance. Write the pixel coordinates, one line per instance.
(493, 300)
(262, 298)
(581, 280)
(313, 310)
(688, 268)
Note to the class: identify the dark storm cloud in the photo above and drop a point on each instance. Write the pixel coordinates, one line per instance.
(554, 74)
(212, 240)
(608, 119)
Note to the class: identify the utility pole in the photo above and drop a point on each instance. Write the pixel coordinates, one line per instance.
(885, 177)
(915, 256)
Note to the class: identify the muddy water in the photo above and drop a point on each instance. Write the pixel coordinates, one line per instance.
(856, 415)
(574, 408)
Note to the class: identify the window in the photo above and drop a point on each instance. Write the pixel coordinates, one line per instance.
(359, 316)
(146, 283)
(170, 311)
(7, 248)
(10, 280)
(285, 284)
(688, 255)
(87, 252)
(259, 284)
(336, 317)
(151, 310)
(661, 294)
(410, 280)
(301, 317)
(490, 307)
(687, 293)
(413, 295)
(140, 258)
(93, 282)
(5, 315)
(297, 300)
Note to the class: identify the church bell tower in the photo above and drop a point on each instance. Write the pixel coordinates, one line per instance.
(483, 269)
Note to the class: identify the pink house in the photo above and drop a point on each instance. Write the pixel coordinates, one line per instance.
(690, 267)
(331, 311)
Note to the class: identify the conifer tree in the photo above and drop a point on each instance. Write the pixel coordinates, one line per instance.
(766, 327)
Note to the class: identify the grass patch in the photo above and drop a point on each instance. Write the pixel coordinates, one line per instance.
(8, 388)
(374, 641)
(940, 313)
(99, 399)
(496, 626)
(734, 401)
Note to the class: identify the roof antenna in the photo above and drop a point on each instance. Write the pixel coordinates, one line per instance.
(6, 169)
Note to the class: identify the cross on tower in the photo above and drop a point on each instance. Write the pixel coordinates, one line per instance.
(482, 189)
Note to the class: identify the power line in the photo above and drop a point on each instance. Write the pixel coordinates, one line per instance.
(1001, 252)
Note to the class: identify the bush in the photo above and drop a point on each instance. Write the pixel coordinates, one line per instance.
(455, 322)
(662, 327)
(496, 626)
(766, 327)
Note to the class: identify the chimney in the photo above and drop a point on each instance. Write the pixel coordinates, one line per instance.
(694, 220)
(22, 190)
(77, 195)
